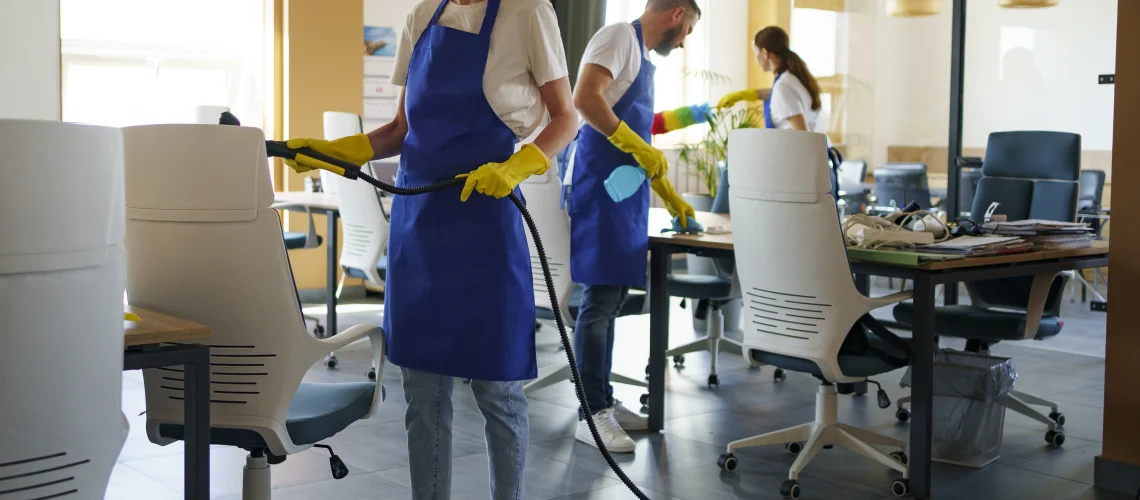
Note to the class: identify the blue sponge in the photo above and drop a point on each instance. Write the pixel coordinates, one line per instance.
(694, 226)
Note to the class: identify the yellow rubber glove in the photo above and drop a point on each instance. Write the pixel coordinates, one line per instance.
(355, 149)
(500, 179)
(649, 157)
(730, 100)
(131, 317)
(676, 206)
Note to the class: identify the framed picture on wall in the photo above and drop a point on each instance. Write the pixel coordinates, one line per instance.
(379, 41)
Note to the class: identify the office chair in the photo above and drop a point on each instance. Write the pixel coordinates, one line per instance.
(211, 252)
(709, 294)
(61, 282)
(802, 302)
(902, 183)
(1090, 204)
(968, 179)
(365, 223)
(852, 175)
(1033, 175)
(543, 193)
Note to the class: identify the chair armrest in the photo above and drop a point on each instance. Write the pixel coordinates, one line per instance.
(1038, 295)
(375, 336)
(886, 300)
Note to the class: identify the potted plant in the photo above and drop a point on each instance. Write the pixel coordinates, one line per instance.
(706, 158)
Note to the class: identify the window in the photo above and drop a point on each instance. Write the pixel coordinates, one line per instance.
(678, 81)
(135, 62)
(814, 37)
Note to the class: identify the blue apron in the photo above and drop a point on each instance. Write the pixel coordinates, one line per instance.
(609, 241)
(833, 155)
(459, 296)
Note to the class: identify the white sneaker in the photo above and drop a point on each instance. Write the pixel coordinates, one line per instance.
(615, 439)
(629, 419)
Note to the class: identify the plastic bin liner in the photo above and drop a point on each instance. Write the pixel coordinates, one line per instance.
(968, 421)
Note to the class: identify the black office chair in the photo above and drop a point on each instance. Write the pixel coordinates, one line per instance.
(852, 185)
(1033, 175)
(1090, 209)
(902, 183)
(968, 178)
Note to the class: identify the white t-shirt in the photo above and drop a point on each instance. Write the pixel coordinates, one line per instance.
(789, 98)
(615, 47)
(526, 53)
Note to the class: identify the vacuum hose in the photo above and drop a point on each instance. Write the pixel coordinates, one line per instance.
(280, 149)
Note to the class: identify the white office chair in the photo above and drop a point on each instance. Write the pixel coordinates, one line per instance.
(205, 246)
(802, 301)
(61, 296)
(543, 194)
(362, 216)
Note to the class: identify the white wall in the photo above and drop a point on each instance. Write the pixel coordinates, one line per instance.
(388, 12)
(29, 59)
(729, 43)
(1037, 69)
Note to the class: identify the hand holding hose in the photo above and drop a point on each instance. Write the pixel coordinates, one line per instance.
(354, 149)
(501, 179)
(676, 206)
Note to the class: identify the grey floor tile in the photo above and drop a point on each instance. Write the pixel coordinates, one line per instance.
(1002, 482)
(129, 484)
(353, 487)
(1081, 422)
(1025, 444)
(656, 455)
(620, 492)
(1068, 463)
(385, 446)
(545, 478)
(226, 466)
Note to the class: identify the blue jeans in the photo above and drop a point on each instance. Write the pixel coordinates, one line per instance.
(428, 422)
(594, 342)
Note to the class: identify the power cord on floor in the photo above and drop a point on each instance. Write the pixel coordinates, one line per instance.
(280, 149)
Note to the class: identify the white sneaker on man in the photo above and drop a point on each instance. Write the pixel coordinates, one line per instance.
(628, 419)
(615, 439)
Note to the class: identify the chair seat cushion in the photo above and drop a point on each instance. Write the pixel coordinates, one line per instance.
(968, 322)
(699, 286)
(633, 305)
(318, 412)
(294, 241)
(861, 365)
(381, 270)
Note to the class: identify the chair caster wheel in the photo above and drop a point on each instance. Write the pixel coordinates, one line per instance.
(319, 331)
(900, 456)
(900, 487)
(714, 381)
(644, 399)
(902, 415)
(779, 375)
(727, 462)
(679, 361)
(372, 374)
(331, 362)
(1055, 438)
(795, 447)
(537, 326)
(790, 489)
(646, 372)
(828, 446)
(1058, 417)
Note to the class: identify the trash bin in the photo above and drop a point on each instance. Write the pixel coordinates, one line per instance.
(968, 421)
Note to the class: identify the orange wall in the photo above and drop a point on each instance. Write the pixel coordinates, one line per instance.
(763, 13)
(1121, 371)
(323, 70)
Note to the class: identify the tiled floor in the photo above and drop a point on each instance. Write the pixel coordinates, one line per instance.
(681, 462)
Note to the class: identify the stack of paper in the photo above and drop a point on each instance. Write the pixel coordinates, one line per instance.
(976, 246)
(1033, 227)
(1061, 241)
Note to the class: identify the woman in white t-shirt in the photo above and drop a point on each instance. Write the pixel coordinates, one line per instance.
(793, 101)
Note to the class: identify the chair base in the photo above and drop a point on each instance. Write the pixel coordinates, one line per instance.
(257, 483)
(550, 375)
(1017, 401)
(827, 431)
(714, 343)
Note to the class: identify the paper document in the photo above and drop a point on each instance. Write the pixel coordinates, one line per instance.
(980, 245)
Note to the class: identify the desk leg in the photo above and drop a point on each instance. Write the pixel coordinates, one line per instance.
(950, 294)
(922, 387)
(658, 335)
(197, 423)
(330, 283)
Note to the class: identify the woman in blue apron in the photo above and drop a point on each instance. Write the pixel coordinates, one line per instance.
(459, 296)
(793, 101)
(609, 240)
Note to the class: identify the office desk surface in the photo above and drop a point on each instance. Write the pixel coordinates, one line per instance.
(158, 328)
(659, 219)
(318, 201)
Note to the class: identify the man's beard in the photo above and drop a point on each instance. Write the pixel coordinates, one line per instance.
(669, 42)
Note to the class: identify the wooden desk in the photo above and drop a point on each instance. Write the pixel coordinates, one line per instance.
(150, 344)
(926, 278)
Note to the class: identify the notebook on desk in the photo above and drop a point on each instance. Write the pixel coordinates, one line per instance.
(899, 257)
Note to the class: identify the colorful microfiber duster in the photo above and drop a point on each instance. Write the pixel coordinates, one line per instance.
(677, 119)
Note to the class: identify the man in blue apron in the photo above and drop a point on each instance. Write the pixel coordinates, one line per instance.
(610, 241)
(479, 75)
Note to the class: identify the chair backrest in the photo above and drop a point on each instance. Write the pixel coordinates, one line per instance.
(62, 273)
(967, 186)
(1092, 190)
(852, 172)
(362, 216)
(1033, 175)
(790, 255)
(902, 183)
(543, 194)
(205, 246)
